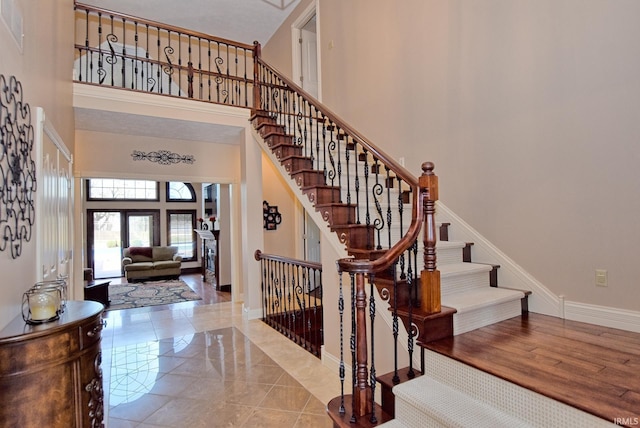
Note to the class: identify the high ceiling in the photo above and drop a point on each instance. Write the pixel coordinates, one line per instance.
(239, 20)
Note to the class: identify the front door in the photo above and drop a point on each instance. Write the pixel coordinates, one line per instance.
(110, 231)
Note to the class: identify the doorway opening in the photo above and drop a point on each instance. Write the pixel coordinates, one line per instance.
(306, 56)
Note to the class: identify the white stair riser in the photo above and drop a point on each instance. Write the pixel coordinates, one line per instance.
(471, 320)
(445, 256)
(463, 282)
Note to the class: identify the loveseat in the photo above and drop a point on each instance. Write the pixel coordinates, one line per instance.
(151, 262)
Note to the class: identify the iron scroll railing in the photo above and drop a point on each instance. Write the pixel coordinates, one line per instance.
(292, 299)
(127, 52)
(386, 209)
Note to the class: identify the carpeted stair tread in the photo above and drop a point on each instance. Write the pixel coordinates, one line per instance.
(480, 298)
(436, 404)
(455, 269)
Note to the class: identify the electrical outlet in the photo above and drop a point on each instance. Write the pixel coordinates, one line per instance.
(601, 278)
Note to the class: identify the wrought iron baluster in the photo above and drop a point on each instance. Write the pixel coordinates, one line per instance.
(342, 365)
(159, 82)
(389, 216)
(376, 191)
(209, 70)
(316, 115)
(123, 69)
(88, 54)
(348, 179)
(200, 85)
(400, 213)
(134, 65)
(372, 368)
(410, 329)
(356, 181)
(112, 56)
(367, 215)
(396, 329)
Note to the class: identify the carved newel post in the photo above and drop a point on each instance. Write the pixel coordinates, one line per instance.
(430, 275)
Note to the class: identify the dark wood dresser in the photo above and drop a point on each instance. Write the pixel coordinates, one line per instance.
(50, 374)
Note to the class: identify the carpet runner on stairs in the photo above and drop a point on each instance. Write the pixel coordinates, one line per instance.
(452, 394)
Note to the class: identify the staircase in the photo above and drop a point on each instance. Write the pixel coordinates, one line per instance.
(470, 292)
(375, 207)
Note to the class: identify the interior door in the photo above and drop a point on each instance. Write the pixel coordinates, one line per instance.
(309, 57)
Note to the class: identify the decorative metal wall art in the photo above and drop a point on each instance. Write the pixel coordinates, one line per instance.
(17, 168)
(163, 157)
(272, 218)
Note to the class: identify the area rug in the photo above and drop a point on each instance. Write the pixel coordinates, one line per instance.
(151, 293)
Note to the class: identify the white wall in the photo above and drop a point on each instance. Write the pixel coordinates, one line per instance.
(282, 240)
(44, 69)
(528, 109)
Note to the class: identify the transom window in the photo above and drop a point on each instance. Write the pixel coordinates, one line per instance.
(113, 189)
(178, 191)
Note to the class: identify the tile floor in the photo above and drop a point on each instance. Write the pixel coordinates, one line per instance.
(201, 364)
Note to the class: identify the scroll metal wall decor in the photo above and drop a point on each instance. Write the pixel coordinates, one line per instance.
(271, 217)
(163, 157)
(17, 168)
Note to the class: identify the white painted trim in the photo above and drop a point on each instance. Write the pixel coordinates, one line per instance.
(542, 300)
(296, 53)
(105, 98)
(602, 315)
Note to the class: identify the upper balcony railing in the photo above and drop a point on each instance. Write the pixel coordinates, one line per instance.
(118, 50)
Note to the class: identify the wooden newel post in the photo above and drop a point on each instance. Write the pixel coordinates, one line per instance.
(430, 275)
(361, 390)
(257, 51)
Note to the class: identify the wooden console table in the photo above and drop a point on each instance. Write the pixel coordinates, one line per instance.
(50, 374)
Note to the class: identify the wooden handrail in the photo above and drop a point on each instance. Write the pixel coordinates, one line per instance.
(402, 172)
(167, 27)
(259, 255)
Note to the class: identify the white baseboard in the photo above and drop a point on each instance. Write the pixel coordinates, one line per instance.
(603, 315)
(251, 314)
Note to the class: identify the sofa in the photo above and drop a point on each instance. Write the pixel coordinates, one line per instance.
(151, 262)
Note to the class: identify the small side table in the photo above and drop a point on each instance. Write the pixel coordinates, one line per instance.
(97, 291)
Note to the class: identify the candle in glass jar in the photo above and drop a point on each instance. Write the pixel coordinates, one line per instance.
(42, 307)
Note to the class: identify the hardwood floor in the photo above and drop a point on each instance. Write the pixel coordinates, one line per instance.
(593, 368)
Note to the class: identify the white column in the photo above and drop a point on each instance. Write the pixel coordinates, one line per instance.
(251, 223)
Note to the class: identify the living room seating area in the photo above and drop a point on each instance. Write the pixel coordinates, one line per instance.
(151, 262)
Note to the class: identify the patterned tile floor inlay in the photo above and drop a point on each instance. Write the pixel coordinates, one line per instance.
(214, 378)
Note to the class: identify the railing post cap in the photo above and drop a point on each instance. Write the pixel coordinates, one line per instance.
(427, 168)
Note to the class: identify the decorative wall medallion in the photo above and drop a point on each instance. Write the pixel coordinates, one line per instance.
(163, 157)
(272, 218)
(17, 168)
